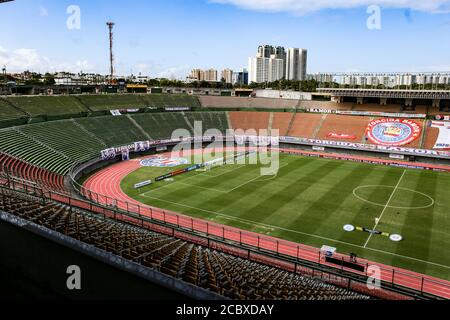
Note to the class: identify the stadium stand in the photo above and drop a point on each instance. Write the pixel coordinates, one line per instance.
(375, 107)
(8, 111)
(250, 120)
(225, 274)
(22, 170)
(241, 103)
(326, 105)
(137, 101)
(161, 125)
(282, 122)
(19, 145)
(113, 101)
(65, 138)
(305, 125)
(48, 105)
(171, 100)
(350, 125)
(112, 131)
(215, 120)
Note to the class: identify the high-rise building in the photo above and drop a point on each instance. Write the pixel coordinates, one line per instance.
(241, 77)
(197, 75)
(211, 75)
(296, 64)
(227, 75)
(269, 64)
(276, 68)
(258, 69)
(265, 69)
(265, 51)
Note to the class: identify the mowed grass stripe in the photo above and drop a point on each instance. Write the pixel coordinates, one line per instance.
(275, 197)
(417, 224)
(324, 189)
(440, 237)
(320, 210)
(360, 213)
(236, 203)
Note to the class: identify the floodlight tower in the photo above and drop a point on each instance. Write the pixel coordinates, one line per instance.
(111, 55)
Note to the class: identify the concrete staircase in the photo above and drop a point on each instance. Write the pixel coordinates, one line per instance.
(82, 128)
(317, 129)
(139, 127)
(12, 105)
(229, 120)
(291, 124)
(270, 122)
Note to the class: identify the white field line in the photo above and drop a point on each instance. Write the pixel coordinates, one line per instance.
(385, 207)
(223, 173)
(182, 182)
(254, 223)
(197, 186)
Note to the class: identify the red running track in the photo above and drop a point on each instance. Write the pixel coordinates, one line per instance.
(104, 188)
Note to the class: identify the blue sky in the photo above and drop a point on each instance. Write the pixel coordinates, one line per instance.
(169, 37)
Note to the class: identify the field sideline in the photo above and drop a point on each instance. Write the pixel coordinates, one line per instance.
(310, 200)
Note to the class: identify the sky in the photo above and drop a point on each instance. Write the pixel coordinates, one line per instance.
(168, 38)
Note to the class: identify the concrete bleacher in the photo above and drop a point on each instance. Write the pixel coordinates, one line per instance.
(351, 125)
(246, 120)
(161, 125)
(210, 120)
(243, 102)
(48, 105)
(227, 275)
(326, 105)
(112, 131)
(282, 121)
(7, 111)
(305, 125)
(375, 107)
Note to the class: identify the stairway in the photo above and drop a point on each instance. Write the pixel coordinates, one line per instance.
(84, 104)
(82, 128)
(229, 120)
(12, 105)
(187, 122)
(139, 127)
(294, 115)
(269, 129)
(316, 131)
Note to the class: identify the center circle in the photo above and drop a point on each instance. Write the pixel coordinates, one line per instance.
(429, 199)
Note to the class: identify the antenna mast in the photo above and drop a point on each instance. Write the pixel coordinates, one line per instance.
(111, 55)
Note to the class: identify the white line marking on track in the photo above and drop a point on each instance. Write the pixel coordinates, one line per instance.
(385, 207)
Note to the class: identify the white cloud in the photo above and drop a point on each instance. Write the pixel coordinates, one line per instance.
(22, 59)
(178, 72)
(308, 6)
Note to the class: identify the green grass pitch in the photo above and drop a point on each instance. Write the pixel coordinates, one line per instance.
(310, 200)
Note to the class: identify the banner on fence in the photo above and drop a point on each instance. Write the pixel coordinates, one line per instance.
(443, 140)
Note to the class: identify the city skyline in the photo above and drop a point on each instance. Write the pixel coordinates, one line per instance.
(411, 38)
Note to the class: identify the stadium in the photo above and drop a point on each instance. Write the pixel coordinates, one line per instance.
(355, 209)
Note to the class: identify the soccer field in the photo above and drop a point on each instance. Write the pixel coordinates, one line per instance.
(310, 200)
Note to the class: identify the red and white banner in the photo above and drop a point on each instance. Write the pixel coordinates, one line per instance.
(443, 140)
(442, 118)
(341, 136)
(393, 132)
